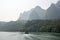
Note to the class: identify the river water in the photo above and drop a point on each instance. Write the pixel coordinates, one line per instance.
(22, 36)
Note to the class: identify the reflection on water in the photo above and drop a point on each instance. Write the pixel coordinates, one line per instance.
(22, 36)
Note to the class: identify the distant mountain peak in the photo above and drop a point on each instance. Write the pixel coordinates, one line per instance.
(52, 5)
(33, 14)
(53, 12)
(38, 8)
(58, 4)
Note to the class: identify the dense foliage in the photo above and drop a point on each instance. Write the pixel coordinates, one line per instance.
(42, 26)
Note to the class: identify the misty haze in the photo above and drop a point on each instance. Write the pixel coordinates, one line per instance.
(29, 19)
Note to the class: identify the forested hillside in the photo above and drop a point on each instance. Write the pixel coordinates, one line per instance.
(42, 26)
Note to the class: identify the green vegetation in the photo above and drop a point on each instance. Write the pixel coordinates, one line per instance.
(41, 26)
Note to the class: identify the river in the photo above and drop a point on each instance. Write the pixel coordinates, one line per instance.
(31, 36)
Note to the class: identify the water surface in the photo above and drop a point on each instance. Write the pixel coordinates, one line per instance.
(22, 36)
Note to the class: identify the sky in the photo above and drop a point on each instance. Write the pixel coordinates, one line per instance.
(10, 10)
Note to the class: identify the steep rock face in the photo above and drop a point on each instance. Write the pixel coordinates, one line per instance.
(53, 12)
(58, 4)
(34, 14)
(24, 16)
(37, 13)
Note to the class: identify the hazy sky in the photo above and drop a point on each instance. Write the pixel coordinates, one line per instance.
(11, 9)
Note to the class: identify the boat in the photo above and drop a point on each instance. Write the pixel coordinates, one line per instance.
(26, 32)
